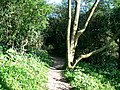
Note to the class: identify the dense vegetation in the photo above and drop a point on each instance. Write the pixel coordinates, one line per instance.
(22, 23)
(23, 64)
(87, 76)
(101, 71)
(23, 72)
(30, 28)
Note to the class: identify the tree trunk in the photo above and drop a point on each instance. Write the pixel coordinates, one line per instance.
(72, 39)
(68, 34)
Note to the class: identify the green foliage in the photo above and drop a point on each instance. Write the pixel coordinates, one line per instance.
(55, 35)
(1, 50)
(22, 22)
(23, 72)
(93, 77)
(116, 3)
(43, 55)
(102, 27)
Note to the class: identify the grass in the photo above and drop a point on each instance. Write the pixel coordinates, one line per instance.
(23, 72)
(93, 77)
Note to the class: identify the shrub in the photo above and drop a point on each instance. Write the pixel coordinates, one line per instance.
(22, 72)
(91, 77)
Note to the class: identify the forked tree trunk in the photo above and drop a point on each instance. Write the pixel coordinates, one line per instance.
(72, 38)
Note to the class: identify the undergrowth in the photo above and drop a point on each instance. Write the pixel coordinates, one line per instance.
(23, 72)
(93, 77)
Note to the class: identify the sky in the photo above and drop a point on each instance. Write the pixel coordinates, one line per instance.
(54, 1)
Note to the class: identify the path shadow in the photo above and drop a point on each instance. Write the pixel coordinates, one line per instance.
(58, 63)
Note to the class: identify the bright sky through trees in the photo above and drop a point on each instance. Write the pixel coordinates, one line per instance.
(54, 1)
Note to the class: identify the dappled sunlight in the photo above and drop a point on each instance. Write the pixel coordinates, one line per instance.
(87, 77)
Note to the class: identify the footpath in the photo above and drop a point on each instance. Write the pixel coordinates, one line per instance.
(56, 80)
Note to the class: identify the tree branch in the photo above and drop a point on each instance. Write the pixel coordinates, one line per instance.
(75, 25)
(80, 32)
(95, 51)
(89, 18)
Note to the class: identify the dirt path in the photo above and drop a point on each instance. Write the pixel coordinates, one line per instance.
(56, 80)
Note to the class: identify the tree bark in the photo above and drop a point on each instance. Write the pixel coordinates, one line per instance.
(72, 39)
(68, 34)
(75, 26)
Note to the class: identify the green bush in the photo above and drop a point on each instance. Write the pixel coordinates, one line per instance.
(23, 72)
(91, 77)
(22, 23)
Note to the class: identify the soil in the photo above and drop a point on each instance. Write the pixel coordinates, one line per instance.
(56, 80)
